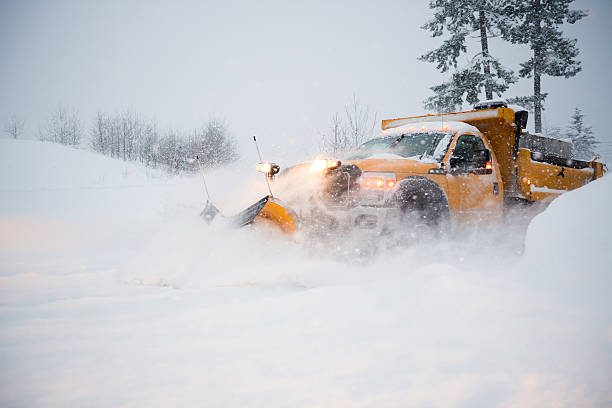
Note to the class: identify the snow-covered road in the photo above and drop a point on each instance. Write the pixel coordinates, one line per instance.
(114, 293)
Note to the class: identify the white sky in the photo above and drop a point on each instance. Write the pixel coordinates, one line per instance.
(278, 69)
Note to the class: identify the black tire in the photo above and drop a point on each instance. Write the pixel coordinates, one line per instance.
(422, 202)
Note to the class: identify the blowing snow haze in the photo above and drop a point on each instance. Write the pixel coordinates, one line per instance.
(114, 292)
(276, 69)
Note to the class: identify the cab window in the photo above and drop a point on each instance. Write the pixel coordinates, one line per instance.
(469, 153)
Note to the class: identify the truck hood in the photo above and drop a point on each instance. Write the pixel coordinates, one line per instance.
(393, 165)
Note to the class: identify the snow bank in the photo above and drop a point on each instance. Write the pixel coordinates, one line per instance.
(567, 246)
(574, 231)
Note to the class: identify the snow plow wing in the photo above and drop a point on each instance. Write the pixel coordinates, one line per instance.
(268, 209)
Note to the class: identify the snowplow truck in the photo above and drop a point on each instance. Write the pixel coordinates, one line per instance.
(457, 166)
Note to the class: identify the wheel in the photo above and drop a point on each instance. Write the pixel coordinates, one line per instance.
(423, 204)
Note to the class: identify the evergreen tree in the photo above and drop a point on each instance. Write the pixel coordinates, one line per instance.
(462, 18)
(536, 23)
(582, 137)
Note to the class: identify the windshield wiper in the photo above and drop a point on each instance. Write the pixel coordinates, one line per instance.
(396, 141)
(430, 149)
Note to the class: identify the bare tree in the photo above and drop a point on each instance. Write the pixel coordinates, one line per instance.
(100, 135)
(14, 126)
(337, 139)
(214, 144)
(361, 123)
(63, 127)
(357, 126)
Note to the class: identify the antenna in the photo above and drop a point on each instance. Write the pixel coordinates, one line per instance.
(440, 116)
(261, 161)
(203, 179)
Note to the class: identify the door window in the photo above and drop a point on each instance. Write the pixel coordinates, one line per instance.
(469, 153)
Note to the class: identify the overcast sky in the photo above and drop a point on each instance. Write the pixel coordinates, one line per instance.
(278, 69)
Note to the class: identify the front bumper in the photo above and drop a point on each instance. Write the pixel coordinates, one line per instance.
(364, 217)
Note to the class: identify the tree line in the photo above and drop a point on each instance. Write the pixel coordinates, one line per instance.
(129, 137)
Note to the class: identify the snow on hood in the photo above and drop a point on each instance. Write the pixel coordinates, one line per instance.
(391, 156)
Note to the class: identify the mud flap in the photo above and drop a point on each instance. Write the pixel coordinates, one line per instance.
(267, 209)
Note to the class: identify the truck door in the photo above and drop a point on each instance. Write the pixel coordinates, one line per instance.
(473, 177)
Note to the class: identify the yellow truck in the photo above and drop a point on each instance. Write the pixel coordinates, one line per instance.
(425, 169)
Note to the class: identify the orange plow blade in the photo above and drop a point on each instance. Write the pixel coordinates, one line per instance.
(275, 212)
(268, 209)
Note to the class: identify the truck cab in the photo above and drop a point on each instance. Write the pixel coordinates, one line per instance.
(474, 179)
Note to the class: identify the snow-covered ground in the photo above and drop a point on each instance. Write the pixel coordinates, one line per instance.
(114, 293)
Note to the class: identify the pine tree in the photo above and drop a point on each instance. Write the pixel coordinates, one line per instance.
(582, 137)
(536, 23)
(463, 18)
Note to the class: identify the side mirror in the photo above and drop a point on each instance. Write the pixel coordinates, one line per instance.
(520, 118)
(481, 158)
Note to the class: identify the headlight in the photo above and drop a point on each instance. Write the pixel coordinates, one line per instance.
(268, 168)
(320, 165)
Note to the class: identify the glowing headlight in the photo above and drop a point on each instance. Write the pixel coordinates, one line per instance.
(268, 168)
(319, 165)
(264, 167)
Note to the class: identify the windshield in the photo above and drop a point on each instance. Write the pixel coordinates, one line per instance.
(417, 146)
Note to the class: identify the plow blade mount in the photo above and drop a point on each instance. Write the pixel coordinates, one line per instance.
(268, 209)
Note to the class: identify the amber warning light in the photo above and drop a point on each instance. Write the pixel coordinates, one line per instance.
(375, 181)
